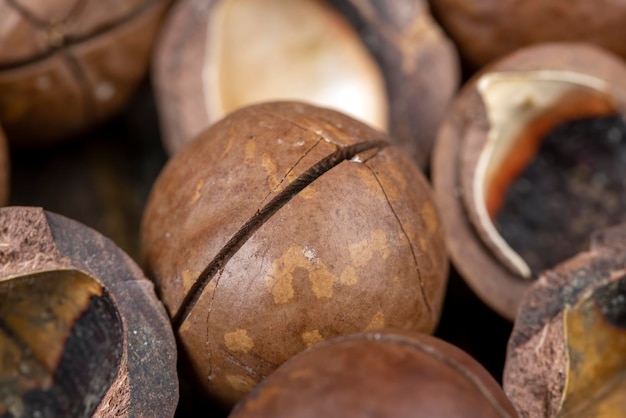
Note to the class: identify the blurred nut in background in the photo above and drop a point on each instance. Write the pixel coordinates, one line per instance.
(529, 162)
(4, 169)
(66, 65)
(566, 353)
(284, 225)
(419, 62)
(488, 29)
(217, 56)
(81, 330)
(382, 374)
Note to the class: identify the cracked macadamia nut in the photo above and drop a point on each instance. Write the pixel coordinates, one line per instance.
(284, 225)
(488, 29)
(567, 353)
(4, 169)
(66, 65)
(82, 333)
(378, 374)
(529, 162)
(216, 56)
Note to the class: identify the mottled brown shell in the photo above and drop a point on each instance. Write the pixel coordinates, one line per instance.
(284, 225)
(66, 65)
(462, 138)
(382, 374)
(488, 29)
(81, 330)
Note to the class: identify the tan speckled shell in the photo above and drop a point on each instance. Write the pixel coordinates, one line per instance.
(359, 248)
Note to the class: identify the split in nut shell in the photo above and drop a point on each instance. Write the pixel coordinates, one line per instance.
(529, 162)
(82, 332)
(284, 225)
(375, 61)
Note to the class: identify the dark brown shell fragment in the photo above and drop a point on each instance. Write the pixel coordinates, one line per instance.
(566, 353)
(81, 330)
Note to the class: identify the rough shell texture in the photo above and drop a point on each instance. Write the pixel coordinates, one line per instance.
(462, 138)
(537, 358)
(68, 64)
(146, 384)
(419, 63)
(386, 374)
(4, 170)
(488, 29)
(297, 218)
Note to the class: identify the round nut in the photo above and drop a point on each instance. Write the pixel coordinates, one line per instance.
(284, 225)
(566, 353)
(66, 65)
(488, 29)
(81, 330)
(386, 374)
(491, 132)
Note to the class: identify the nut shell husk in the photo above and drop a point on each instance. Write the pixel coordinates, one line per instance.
(537, 362)
(37, 241)
(486, 30)
(67, 65)
(359, 248)
(389, 373)
(461, 139)
(420, 64)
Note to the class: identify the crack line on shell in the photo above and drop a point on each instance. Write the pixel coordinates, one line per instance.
(406, 235)
(282, 180)
(262, 215)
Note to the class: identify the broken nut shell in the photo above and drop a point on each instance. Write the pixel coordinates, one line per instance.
(481, 146)
(566, 353)
(81, 330)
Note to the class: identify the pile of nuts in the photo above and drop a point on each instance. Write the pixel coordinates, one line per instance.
(290, 208)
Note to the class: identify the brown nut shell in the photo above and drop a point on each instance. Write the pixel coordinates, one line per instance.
(284, 225)
(486, 30)
(66, 65)
(488, 268)
(386, 374)
(195, 86)
(81, 330)
(566, 353)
